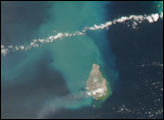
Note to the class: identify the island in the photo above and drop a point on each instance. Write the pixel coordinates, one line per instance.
(97, 85)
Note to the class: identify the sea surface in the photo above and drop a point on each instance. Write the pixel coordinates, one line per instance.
(50, 81)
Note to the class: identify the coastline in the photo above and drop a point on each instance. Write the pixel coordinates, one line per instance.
(97, 84)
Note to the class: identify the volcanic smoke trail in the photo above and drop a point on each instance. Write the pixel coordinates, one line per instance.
(135, 19)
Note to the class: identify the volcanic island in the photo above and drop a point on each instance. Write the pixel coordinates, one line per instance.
(97, 86)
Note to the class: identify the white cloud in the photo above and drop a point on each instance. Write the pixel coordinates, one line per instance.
(136, 19)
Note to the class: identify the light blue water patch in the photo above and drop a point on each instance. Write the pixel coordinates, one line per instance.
(159, 6)
(70, 16)
(74, 58)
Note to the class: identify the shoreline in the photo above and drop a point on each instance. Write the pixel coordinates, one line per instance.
(97, 84)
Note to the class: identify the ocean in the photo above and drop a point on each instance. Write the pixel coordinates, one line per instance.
(49, 81)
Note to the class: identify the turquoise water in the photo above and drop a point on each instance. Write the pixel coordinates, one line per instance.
(74, 56)
(159, 6)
